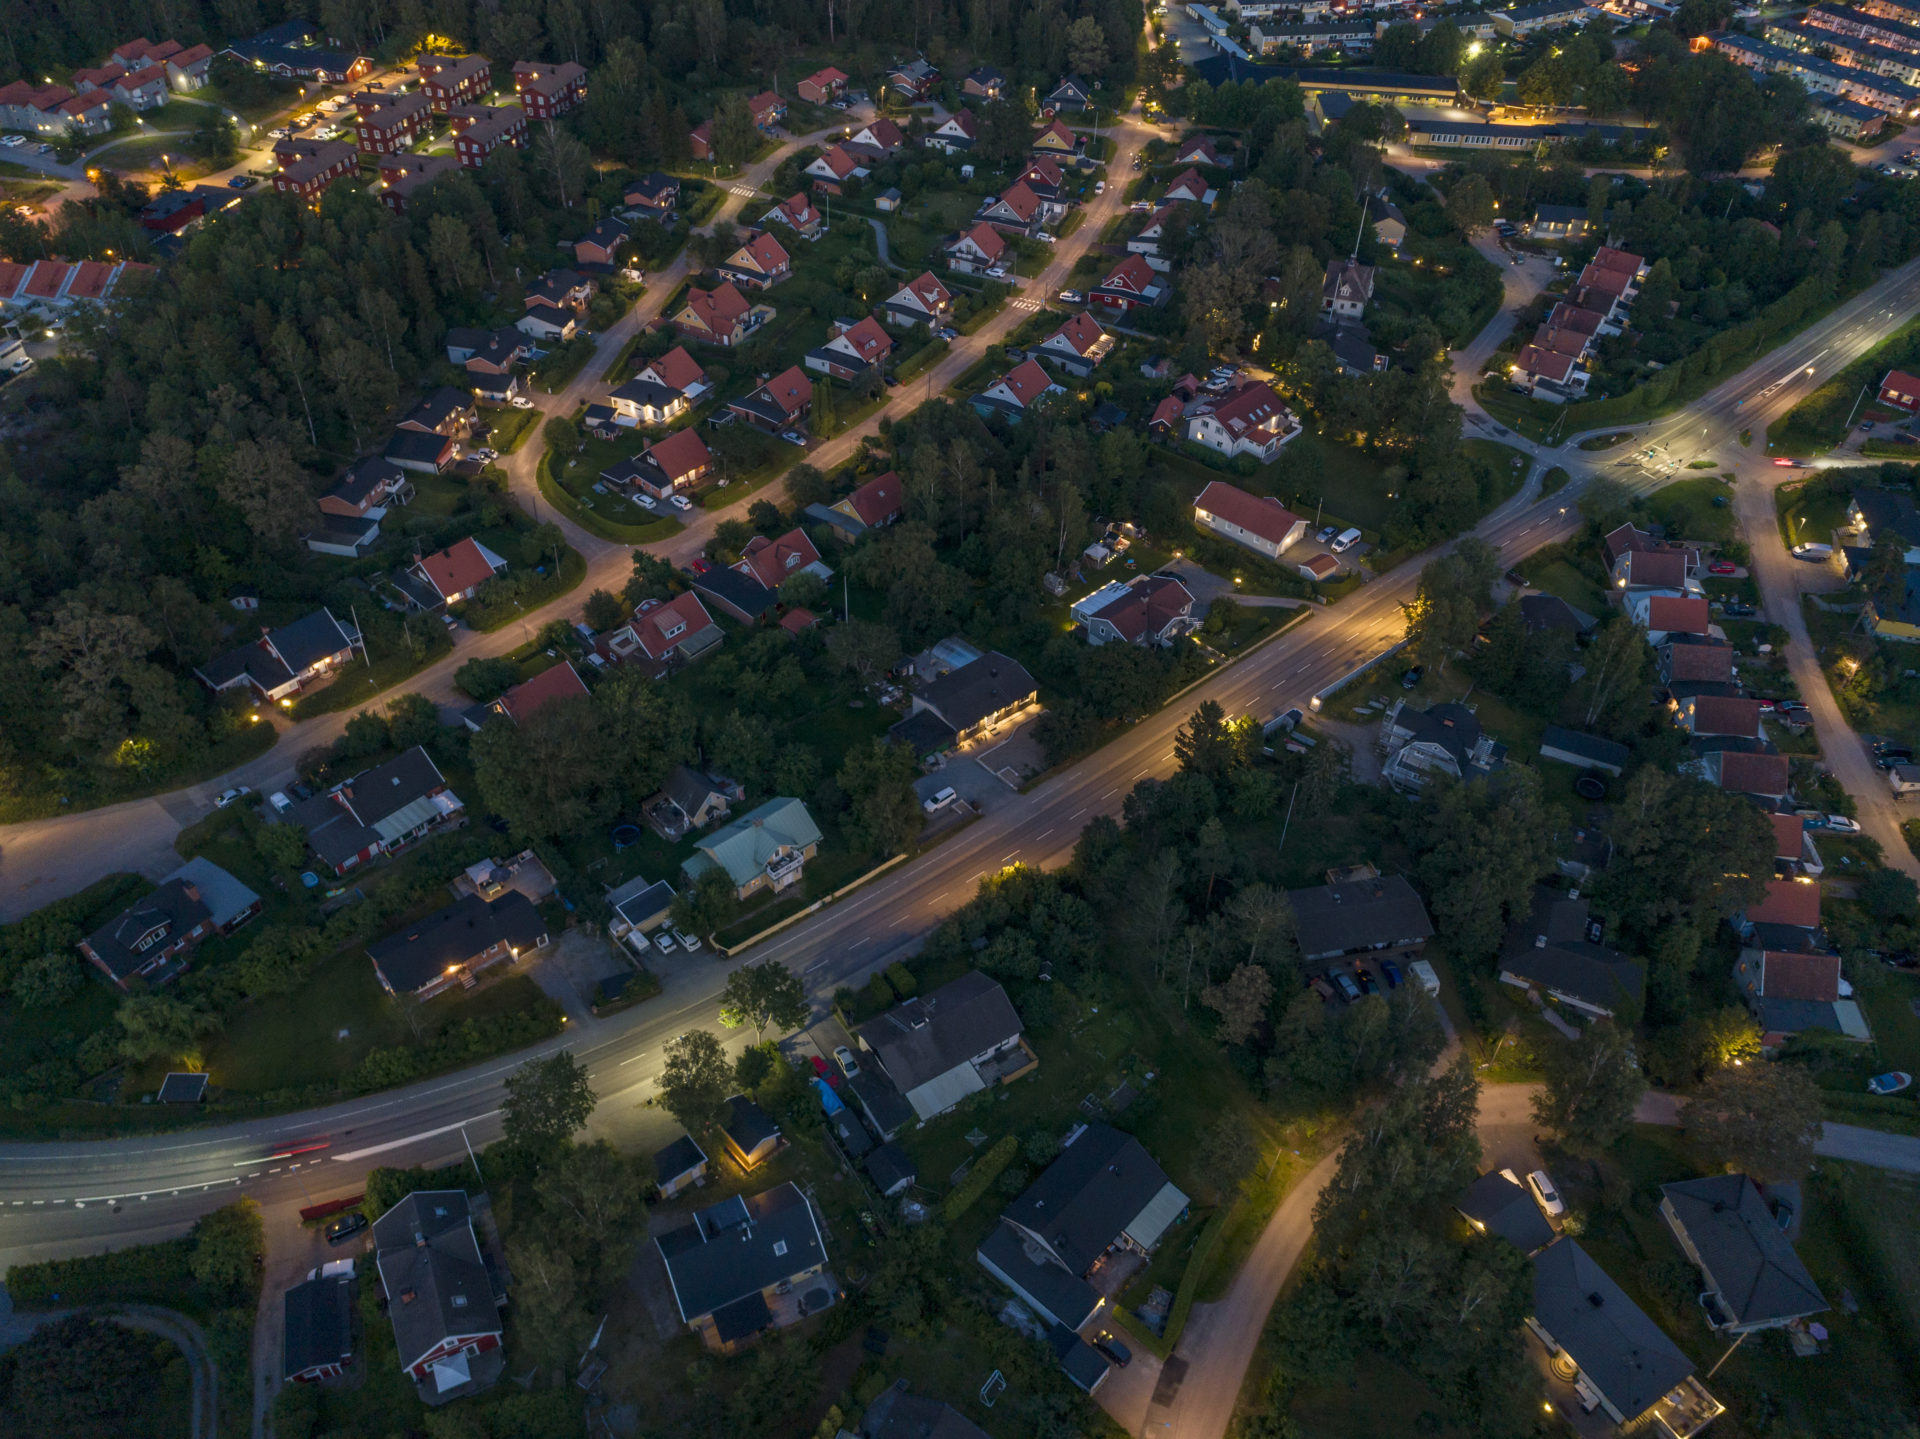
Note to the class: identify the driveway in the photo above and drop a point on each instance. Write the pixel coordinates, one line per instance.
(1206, 587)
(571, 968)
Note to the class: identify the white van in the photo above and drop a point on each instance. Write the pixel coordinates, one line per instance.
(1422, 970)
(1344, 541)
(938, 800)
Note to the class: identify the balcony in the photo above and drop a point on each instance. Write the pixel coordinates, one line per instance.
(784, 870)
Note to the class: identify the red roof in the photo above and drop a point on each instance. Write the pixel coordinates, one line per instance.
(1536, 361)
(1082, 332)
(1789, 836)
(1200, 151)
(1321, 566)
(1045, 169)
(1148, 606)
(556, 683)
(12, 272)
(676, 369)
(1622, 261)
(867, 340)
(1133, 274)
(1761, 774)
(1788, 902)
(825, 78)
(1901, 382)
(763, 103)
(1251, 406)
(1688, 616)
(1608, 282)
(840, 162)
(47, 278)
(885, 133)
(1189, 184)
(791, 390)
(193, 55)
(797, 619)
(1025, 382)
(1057, 132)
(680, 454)
(987, 240)
(90, 280)
(664, 626)
(1725, 715)
(1785, 974)
(929, 291)
(1710, 663)
(147, 75)
(1561, 342)
(458, 568)
(771, 561)
(767, 253)
(798, 211)
(1020, 200)
(878, 500)
(1168, 412)
(1257, 514)
(719, 309)
(1657, 569)
(1572, 317)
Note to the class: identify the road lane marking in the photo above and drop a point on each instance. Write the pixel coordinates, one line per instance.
(412, 1138)
(634, 1060)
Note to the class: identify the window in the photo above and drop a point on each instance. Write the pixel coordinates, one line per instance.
(779, 1247)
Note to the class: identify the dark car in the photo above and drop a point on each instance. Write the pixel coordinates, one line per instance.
(1736, 607)
(1114, 1350)
(1391, 972)
(890, 380)
(1893, 757)
(1367, 986)
(1413, 677)
(1514, 577)
(345, 1227)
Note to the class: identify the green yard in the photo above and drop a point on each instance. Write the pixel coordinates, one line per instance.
(1579, 589)
(1700, 508)
(1811, 512)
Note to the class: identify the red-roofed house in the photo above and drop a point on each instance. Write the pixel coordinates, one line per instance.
(760, 263)
(851, 350)
(663, 635)
(1146, 241)
(188, 70)
(558, 682)
(877, 139)
(1188, 187)
(676, 462)
(700, 140)
(1056, 139)
(307, 167)
(833, 170)
(1131, 285)
(1319, 568)
(875, 503)
(982, 248)
(1720, 715)
(457, 571)
(1699, 663)
(1201, 152)
(144, 89)
(1168, 417)
(782, 401)
(1251, 420)
(924, 301)
(549, 91)
(1793, 845)
(1900, 390)
(720, 316)
(1662, 615)
(1550, 375)
(767, 109)
(449, 82)
(388, 122)
(823, 87)
(1662, 569)
(774, 561)
(1015, 212)
(677, 370)
(1260, 523)
(798, 620)
(1015, 392)
(955, 135)
(1077, 346)
(798, 214)
(1792, 991)
(1764, 776)
(1787, 902)
(1150, 610)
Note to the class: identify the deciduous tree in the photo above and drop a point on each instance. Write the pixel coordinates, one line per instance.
(1758, 1117)
(763, 995)
(696, 1080)
(1592, 1085)
(547, 1100)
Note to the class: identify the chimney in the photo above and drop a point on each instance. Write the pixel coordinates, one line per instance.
(419, 1237)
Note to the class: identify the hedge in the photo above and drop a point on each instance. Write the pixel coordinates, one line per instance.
(984, 1173)
(147, 1273)
(1197, 1264)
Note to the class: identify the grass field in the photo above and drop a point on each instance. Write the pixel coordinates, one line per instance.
(1688, 511)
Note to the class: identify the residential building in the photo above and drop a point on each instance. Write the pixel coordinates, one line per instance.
(442, 1298)
(677, 370)
(981, 249)
(970, 700)
(700, 140)
(1791, 991)
(549, 91)
(1583, 751)
(1619, 546)
(760, 263)
(924, 301)
(1444, 739)
(1875, 514)
(52, 111)
(453, 945)
(154, 937)
(1072, 93)
(1132, 284)
(737, 594)
(767, 109)
(798, 214)
(1728, 1231)
(388, 121)
(954, 1041)
(1147, 610)
(645, 402)
(446, 411)
(1548, 375)
(293, 50)
(780, 403)
(670, 465)
(1721, 715)
(1258, 522)
(1017, 391)
(1670, 569)
(450, 82)
(877, 139)
(1077, 347)
(401, 181)
(1794, 852)
(316, 1327)
(823, 87)
(1763, 776)
(1498, 1204)
(1662, 616)
(1850, 81)
(1057, 140)
(1250, 420)
(367, 489)
(720, 316)
(913, 81)
(954, 135)
(1787, 917)
(766, 848)
(1103, 1195)
(896, 1414)
(284, 659)
(1015, 211)
(746, 1265)
(872, 505)
(1390, 228)
(1312, 37)
(985, 83)
(1190, 188)
(695, 799)
(1524, 20)
(1559, 949)
(377, 812)
(1848, 119)
(835, 170)
(1560, 222)
(601, 244)
(655, 192)
(1200, 151)
(771, 562)
(664, 634)
(1046, 179)
(1061, 1298)
(557, 682)
(449, 576)
(852, 348)
(307, 167)
(1347, 289)
(422, 451)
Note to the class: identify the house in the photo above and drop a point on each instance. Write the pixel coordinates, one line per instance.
(307, 167)
(1762, 775)
(1015, 212)
(913, 81)
(548, 322)
(1390, 229)
(737, 593)
(877, 139)
(557, 682)
(293, 50)
(872, 505)
(1360, 916)
(1557, 949)
(1052, 1291)
(422, 451)
(896, 1414)
(1072, 93)
(456, 573)
(1046, 179)
(1791, 991)
(980, 249)
(1077, 347)
(891, 1171)
(924, 301)
(1728, 1231)
(645, 402)
(1787, 917)
(1541, 613)
(735, 1269)
(955, 135)
(653, 192)
(1251, 420)
(1130, 285)
(1017, 391)
(316, 1330)
(1353, 350)
(1793, 848)
(1721, 715)
(1625, 1364)
(751, 1135)
(387, 121)
(1548, 375)
(365, 490)
(823, 87)
(1669, 569)
(172, 211)
(696, 798)
(283, 660)
(1347, 289)
(1188, 188)
(1876, 514)
(700, 140)
(681, 1165)
(772, 562)
(1054, 138)
(1148, 610)
(851, 349)
(677, 370)
(446, 411)
(765, 848)
(1444, 739)
(1583, 751)
(1560, 222)
(452, 945)
(798, 214)
(1319, 568)
(665, 634)
(1258, 522)
(954, 1041)
(601, 245)
(767, 109)
(974, 699)
(669, 465)
(1201, 152)
(488, 357)
(549, 91)
(1901, 391)
(1103, 1195)
(760, 263)
(638, 907)
(986, 83)
(1897, 622)
(781, 402)
(449, 81)
(192, 904)
(1663, 615)
(834, 170)
(720, 316)
(441, 1294)
(1524, 20)
(1498, 1204)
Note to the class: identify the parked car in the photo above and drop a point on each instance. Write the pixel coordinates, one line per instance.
(1891, 1082)
(1327, 532)
(938, 800)
(1817, 554)
(688, 942)
(843, 1056)
(680, 502)
(1843, 824)
(1367, 985)
(794, 437)
(1114, 1350)
(242, 182)
(278, 799)
(1514, 577)
(1099, 187)
(1348, 988)
(1723, 567)
(1413, 677)
(1390, 972)
(890, 380)
(1071, 297)
(663, 941)
(1043, 237)
(1543, 1191)
(231, 796)
(520, 402)
(345, 1227)
(1344, 541)
(1737, 607)
(1865, 425)
(1318, 984)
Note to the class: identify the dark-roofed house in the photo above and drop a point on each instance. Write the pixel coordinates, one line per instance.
(1754, 1280)
(942, 1046)
(366, 489)
(1444, 739)
(1627, 1363)
(1498, 1204)
(378, 811)
(1048, 1288)
(896, 1414)
(890, 1170)
(317, 1329)
(1103, 1193)
(446, 411)
(452, 945)
(1360, 916)
(751, 1135)
(978, 696)
(735, 1268)
(143, 937)
(440, 1294)
(282, 660)
(1149, 610)
(1541, 613)
(638, 907)
(1558, 948)
(681, 1165)
(1582, 751)
(422, 451)
(738, 594)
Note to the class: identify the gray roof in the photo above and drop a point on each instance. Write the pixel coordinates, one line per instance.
(1620, 1350)
(1741, 1248)
(1066, 1297)
(430, 1266)
(923, 732)
(318, 1324)
(1507, 1211)
(885, 1107)
(347, 819)
(890, 1169)
(171, 904)
(739, 1247)
(965, 696)
(439, 407)
(1357, 915)
(740, 592)
(1570, 961)
(1550, 612)
(358, 483)
(224, 896)
(1081, 1361)
(1453, 727)
(1560, 214)
(414, 956)
(850, 1132)
(925, 1037)
(680, 1157)
(1887, 510)
(748, 1125)
(639, 903)
(278, 656)
(896, 1414)
(648, 394)
(417, 445)
(1586, 746)
(1083, 1201)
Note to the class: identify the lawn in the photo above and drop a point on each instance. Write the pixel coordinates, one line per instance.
(1689, 511)
(612, 517)
(294, 1040)
(1811, 512)
(1379, 1397)
(1561, 577)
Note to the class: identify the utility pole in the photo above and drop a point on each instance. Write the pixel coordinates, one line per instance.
(472, 1156)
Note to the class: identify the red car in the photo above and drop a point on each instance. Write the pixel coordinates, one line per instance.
(1723, 567)
(700, 567)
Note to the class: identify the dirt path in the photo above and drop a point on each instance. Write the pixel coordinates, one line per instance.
(192, 1342)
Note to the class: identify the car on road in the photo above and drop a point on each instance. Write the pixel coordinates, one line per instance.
(1071, 297)
(663, 941)
(1892, 1082)
(242, 182)
(688, 942)
(794, 437)
(520, 402)
(1413, 677)
(843, 1057)
(345, 1227)
(1843, 824)
(680, 502)
(231, 796)
(483, 453)
(1348, 989)
(1099, 187)
(1723, 567)
(1114, 1350)
(1141, 207)
(1138, 163)
(1543, 1191)
(1786, 464)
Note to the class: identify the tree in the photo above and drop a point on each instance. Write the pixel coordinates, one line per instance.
(1889, 895)
(1241, 1002)
(1228, 1151)
(412, 719)
(885, 817)
(1484, 852)
(707, 904)
(1759, 1118)
(696, 1080)
(157, 1026)
(1482, 76)
(1264, 918)
(553, 1324)
(1685, 853)
(1592, 1086)
(763, 995)
(592, 1194)
(1087, 47)
(229, 1246)
(561, 434)
(547, 1100)
(47, 980)
(1470, 204)
(1209, 744)
(604, 611)
(486, 677)
(280, 845)
(82, 1377)
(1444, 615)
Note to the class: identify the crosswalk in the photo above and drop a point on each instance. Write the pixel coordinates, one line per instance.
(1024, 304)
(744, 192)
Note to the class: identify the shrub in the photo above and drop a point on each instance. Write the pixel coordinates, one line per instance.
(984, 1172)
(879, 994)
(902, 980)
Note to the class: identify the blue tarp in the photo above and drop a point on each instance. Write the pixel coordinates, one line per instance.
(829, 1101)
